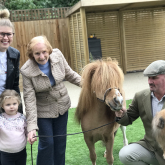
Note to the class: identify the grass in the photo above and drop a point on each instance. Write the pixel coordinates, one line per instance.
(77, 152)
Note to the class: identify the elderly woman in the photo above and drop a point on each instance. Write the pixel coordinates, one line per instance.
(46, 99)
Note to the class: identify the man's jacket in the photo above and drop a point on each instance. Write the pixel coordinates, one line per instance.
(141, 107)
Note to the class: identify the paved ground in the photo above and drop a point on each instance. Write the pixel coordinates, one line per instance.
(133, 82)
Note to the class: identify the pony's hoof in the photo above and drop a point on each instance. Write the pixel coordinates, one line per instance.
(164, 155)
(105, 154)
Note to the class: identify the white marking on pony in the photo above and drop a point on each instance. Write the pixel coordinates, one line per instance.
(119, 97)
(123, 129)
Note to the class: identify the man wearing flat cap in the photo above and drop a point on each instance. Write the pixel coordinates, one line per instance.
(145, 105)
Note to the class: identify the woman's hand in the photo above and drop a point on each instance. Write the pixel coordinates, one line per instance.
(121, 113)
(31, 136)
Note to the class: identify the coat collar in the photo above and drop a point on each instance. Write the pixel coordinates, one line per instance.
(147, 104)
(11, 53)
(31, 67)
(54, 59)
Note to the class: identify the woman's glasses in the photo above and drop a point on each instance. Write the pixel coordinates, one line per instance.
(9, 35)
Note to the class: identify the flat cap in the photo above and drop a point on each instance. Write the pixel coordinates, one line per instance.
(155, 68)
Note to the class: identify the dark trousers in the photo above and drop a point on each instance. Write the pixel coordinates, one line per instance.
(51, 151)
(0, 158)
(18, 158)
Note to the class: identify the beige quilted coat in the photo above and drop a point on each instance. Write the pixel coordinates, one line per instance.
(41, 99)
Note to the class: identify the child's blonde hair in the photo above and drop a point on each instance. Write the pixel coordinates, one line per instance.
(7, 94)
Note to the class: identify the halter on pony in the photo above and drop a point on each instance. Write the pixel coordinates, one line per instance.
(107, 91)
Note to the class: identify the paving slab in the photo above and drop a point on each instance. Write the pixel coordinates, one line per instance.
(133, 82)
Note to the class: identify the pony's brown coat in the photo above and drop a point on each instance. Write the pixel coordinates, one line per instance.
(97, 77)
(158, 125)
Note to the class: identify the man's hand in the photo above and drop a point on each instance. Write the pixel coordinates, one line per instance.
(121, 113)
(31, 136)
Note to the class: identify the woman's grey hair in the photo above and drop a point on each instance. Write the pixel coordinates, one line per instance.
(36, 40)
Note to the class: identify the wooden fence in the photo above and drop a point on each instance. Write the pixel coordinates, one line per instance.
(56, 30)
(50, 22)
(31, 23)
(37, 14)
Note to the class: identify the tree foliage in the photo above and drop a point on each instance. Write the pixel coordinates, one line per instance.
(36, 4)
(62, 3)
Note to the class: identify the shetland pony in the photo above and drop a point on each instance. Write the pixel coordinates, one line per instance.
(158, 127)
(100, 96)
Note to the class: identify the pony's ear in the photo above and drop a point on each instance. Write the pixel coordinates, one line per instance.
(89, 77)
(92, 73)
(87, 74)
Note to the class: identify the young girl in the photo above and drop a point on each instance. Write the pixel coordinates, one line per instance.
(12, 130)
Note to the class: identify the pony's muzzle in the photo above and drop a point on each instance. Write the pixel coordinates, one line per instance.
(118, 98)
(113, 108)
(117, 102)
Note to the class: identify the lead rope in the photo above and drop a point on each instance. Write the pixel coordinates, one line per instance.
(117, 119)
(32, 153)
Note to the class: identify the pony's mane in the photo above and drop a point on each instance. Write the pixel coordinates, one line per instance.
(98, 76)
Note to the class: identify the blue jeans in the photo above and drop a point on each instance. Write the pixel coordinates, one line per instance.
(51, 151)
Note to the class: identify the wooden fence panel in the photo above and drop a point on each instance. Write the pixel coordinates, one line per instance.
(56, 31)
(144, 37)
(105, 25)
(76, 42)
(38, 14)
(64, 42)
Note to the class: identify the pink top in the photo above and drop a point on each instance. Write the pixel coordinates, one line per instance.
(12, 133)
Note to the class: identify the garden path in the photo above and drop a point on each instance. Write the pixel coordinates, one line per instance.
(133, 82)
